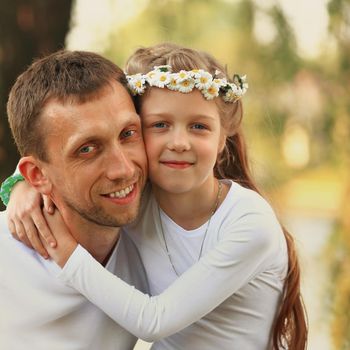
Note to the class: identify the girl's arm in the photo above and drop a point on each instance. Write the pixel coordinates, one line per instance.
(235, 260)
(24, 215)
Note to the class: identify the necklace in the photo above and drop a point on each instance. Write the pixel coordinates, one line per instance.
(215, 207)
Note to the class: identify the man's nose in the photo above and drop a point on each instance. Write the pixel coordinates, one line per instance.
(179, 141)
(119, 165)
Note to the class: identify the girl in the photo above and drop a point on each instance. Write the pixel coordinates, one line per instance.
(222, 272)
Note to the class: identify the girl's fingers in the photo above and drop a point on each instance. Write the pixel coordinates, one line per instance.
(66, 243)
(12, 227)
(20, 233)
(33, 236)
(49, 205)
(43, 228)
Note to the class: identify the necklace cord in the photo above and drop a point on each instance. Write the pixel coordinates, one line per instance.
(215, 207)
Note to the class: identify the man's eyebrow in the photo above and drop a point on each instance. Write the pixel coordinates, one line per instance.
(77, 140)
(133, 116)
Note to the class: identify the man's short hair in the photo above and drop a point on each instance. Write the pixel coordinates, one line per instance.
(64, 75)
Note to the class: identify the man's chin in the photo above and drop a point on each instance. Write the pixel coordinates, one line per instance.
(120, 215)
(108, 220)
(102, 213)
(112, 218)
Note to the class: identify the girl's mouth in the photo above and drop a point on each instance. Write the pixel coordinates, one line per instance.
(176, 164)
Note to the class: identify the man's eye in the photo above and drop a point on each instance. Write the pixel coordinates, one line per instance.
(128, 133)
(86, 149)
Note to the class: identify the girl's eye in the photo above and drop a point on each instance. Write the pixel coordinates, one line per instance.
(198, 127)
(86, 149)
(159, 125)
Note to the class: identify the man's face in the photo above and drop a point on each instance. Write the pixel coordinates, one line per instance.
(97, 163)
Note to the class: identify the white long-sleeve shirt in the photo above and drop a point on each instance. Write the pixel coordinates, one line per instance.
(37, 311)
(226, 300)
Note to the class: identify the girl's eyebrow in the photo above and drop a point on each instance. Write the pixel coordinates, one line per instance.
(165, 114)
(206, 116)
(155, 114)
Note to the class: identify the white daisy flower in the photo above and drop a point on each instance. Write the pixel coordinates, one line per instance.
(234, 87)
(183, 75)
(203, 80)
(211, 92)
(137, 88)
(220, 82)
(173, 83)
(186, 86)
(136, 83)
(229, 96)
(132, 76)
(149, 76)
(159, 79)
(196, 72)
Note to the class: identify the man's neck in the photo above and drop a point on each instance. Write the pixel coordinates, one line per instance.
(98, 240)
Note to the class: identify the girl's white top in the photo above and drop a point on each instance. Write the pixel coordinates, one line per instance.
(227, 300)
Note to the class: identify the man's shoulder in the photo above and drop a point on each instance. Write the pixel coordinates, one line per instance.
(4, 230)
(9, 246)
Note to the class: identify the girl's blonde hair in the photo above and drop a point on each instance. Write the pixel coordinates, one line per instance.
(290, 327)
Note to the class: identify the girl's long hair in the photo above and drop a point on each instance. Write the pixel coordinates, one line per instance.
(290, 327)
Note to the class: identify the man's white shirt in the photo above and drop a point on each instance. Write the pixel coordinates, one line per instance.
(38, 311)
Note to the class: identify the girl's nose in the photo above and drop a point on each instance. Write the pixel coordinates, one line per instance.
(179, 141)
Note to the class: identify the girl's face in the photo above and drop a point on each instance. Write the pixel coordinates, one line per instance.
(183, 137)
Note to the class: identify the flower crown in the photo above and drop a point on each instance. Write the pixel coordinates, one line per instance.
(185, 81)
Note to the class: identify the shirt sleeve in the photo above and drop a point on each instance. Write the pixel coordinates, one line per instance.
(8, 185)
(244, 251)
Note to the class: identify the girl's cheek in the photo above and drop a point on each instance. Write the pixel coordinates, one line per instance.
(150, 147)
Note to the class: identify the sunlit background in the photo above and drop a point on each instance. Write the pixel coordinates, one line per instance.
(296, 54)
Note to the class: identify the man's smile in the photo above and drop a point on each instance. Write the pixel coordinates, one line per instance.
(123, 196)
(121, 193)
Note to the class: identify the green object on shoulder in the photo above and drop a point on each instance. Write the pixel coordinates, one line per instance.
(7, 187)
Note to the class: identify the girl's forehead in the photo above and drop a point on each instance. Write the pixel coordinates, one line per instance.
(158, 100)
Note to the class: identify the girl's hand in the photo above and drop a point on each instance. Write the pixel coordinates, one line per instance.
(25, 219)
(66, 243)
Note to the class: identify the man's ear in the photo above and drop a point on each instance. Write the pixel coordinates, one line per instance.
(31, 170)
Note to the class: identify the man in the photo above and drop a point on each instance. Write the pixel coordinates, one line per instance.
(80, 139)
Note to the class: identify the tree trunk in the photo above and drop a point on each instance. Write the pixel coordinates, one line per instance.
(28, 29)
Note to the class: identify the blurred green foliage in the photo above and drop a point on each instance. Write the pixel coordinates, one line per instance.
(338, 118)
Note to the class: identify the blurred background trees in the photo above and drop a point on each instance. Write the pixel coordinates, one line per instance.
(28, 29)
(339, 119)
(297, 110)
